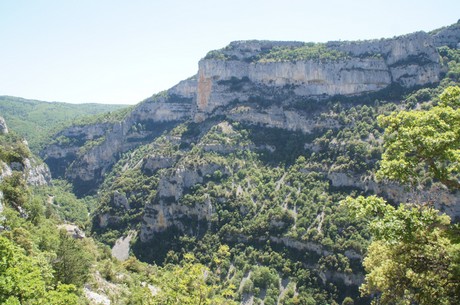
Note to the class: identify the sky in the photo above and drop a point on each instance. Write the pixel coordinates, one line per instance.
(121, 52)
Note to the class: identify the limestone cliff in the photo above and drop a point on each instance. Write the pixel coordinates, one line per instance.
(209, 164)
(360, 67)
(448, 36)
(3, 127)
(167, 210)
(84, 154)
(443, 199)
(248, 83)
(33, 170)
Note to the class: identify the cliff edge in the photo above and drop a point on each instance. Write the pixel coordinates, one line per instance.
(267, 83)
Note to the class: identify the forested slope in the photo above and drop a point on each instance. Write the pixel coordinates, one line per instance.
(37, 121)
(260, 181)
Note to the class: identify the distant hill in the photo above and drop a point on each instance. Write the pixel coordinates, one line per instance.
(37, 121)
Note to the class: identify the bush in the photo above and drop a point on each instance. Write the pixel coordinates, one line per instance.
(264, 277)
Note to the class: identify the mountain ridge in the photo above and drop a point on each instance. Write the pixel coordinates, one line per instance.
(221, 83)
(27, 117)
(244, 169)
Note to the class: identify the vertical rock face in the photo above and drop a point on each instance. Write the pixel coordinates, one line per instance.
(412, 60)
(448, 36)
(3, 127)
(167, 211)
(363, 67)
(35, 173)
(84, 154)
(444, 200)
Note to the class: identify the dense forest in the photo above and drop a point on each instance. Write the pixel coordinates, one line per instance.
(227, 212)
(26, 117)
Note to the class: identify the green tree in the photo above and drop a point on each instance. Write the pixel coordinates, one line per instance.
(348, 301)
(414, 257)
(411, 259)
(62, 295)
(20, 276)
(263, 277)
(27, 279)
(422, 145)
(14, 190)
(186, 285)
(72, 264)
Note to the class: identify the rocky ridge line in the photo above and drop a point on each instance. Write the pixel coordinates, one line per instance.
(270, 94)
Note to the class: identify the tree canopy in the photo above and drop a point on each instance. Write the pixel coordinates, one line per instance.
(28, 280)
(414, 256)
(411, 258)
(424, 145)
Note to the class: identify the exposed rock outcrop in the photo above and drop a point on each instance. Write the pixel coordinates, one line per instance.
(153, 163)
(236, 83)
(84, 154)
(3, 127)
(122, 247)
(443, 199)
(368, 66)
(37, 174)
(167, 211)
(72, 230)
(34, 171)
(448, 36)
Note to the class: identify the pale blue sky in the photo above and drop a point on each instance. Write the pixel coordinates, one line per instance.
(119, 51)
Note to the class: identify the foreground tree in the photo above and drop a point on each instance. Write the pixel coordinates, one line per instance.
(73, 263)
(28, 280)
(414, 256)
(424, 145)
(186, 284)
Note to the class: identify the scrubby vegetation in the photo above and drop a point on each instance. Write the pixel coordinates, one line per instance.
(245, 213)
(289, 239)
(309, 51)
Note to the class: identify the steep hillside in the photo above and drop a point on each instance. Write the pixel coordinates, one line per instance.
(245, 163)
(46, 257)
(272, 84)
(37, 121)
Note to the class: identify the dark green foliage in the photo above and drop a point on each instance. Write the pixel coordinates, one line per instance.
(218, 55)
(72, 263)
(275, 201)
(288, 145)
(13, 148)
(27, 279)
(263, 277)
(13, 189)
(59, 199)
(451, 59)
(297, 52)
(309, 51)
